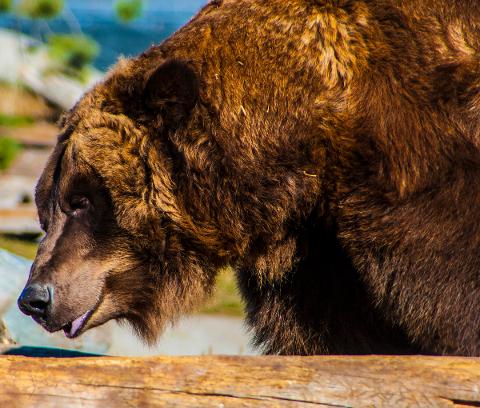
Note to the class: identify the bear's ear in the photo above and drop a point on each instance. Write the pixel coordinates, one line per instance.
(171, 91)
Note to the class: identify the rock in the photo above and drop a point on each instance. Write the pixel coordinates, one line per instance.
(13, 274)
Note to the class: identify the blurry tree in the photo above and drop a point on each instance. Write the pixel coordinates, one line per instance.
(8, 150)
(41, 9)
(128, 10)
(5, 6)
(72, 53)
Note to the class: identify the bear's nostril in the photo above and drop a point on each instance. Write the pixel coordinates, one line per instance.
(34, 300)
(38, 304)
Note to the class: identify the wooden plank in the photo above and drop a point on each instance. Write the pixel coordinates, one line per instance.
(39, 135)
(19, 220)
(240, 381)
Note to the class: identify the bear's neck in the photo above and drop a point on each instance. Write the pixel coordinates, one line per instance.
(240, 186)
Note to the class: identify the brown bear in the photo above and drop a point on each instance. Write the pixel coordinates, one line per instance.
(327, 150)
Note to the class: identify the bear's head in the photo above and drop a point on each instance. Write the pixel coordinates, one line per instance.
(119, 242)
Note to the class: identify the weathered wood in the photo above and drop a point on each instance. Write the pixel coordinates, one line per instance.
(19, 220)
(239, 381)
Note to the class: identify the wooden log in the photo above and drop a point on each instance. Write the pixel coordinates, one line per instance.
(19, 220)
(331, 381)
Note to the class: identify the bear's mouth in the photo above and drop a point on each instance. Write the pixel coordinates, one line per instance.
(74, 328)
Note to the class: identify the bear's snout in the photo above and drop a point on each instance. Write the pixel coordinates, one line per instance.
(35, 300)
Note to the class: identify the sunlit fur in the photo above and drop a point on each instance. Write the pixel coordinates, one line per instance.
(331, 157)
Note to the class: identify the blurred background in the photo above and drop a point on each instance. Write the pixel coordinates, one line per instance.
(51, 51)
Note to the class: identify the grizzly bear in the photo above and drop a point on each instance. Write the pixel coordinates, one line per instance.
(328, 151)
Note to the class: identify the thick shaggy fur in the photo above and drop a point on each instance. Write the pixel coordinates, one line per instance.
(327, 150)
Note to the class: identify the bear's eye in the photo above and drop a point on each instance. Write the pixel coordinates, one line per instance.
(79, 204)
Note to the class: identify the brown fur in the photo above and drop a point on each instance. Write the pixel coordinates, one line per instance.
(327, 150)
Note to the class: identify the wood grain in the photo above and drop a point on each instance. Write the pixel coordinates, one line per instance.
(206, 381)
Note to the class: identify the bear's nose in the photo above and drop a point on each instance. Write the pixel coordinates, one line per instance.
(34, 300)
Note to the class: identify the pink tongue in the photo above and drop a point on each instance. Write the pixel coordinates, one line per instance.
(77, 324)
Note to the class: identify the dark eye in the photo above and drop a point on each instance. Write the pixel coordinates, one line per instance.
(79, 204)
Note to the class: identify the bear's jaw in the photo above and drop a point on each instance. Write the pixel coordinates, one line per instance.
(74, 328)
